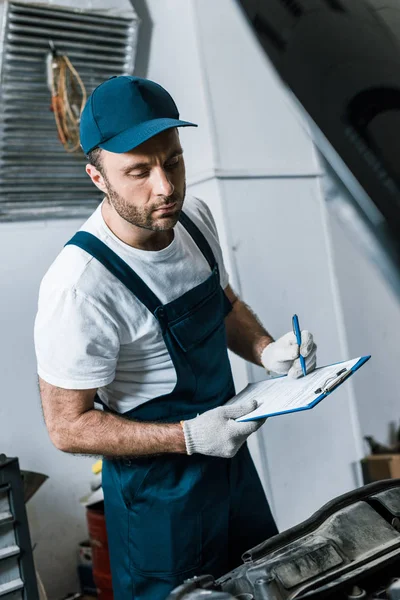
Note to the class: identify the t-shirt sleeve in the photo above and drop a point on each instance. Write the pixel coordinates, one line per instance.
(211, 232)
(76, 343)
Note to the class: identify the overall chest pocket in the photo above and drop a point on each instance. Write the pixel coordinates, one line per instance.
(200, 323)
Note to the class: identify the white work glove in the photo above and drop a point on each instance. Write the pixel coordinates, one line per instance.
(282, 356)
(215, 433)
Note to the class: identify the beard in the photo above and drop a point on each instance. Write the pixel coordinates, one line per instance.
(144, 217)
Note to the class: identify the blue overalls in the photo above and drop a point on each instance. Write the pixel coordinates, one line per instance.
(170, 517)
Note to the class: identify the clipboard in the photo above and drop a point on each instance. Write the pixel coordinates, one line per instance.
(268, 392)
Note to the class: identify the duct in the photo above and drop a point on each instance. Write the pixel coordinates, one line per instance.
(38, 179)
(341, 64)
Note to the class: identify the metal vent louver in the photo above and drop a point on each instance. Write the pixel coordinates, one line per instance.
(38, 179)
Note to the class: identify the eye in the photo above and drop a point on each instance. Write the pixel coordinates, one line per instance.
(140, 175)
(172, 164)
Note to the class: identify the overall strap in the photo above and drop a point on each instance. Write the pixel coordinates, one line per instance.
(118, 267)
(199, 239)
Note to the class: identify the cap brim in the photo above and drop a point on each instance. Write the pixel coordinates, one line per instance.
(133, 137)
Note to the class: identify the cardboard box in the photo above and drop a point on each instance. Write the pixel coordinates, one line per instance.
(381, 466)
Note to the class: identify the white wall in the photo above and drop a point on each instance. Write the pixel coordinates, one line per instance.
(372, 319)
(251, 136)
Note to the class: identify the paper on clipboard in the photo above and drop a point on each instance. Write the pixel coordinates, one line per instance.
(282, 394)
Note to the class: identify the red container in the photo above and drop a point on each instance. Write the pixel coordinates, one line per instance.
(101, 559)
(103, 585)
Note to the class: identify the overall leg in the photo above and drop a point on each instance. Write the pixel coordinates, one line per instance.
(117, 522)
(167, 520)
(251, 521)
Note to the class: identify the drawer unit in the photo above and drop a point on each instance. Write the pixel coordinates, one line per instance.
(17, 572)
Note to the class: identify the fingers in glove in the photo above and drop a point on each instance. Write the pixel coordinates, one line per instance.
(281, 368)
(311, 355)
(296, 371)
(238, 409)
(278, 356)
(308, 350)
(247, 427)
(286, 348)
(311, 360)
(307, 343)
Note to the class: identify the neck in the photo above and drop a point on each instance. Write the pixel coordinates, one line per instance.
(137, 237)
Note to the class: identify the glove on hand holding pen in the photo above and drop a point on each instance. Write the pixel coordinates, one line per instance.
(216, 433)
(282, 357)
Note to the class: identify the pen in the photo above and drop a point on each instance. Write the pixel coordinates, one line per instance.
(297, 333)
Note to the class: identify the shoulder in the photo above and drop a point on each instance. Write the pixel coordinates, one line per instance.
(74, 270)
(67, 269)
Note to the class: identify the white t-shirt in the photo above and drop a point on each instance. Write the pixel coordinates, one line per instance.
(92, 332)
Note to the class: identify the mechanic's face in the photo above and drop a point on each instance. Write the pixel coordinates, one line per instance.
(145, 186)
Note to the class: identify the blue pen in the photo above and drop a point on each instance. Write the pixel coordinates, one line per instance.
(297, 333)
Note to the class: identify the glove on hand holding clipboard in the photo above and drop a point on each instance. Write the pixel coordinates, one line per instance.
(217, 433)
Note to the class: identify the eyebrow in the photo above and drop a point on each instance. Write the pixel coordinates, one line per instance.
(144, 165)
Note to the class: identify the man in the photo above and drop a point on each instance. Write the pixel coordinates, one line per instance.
(137, 313)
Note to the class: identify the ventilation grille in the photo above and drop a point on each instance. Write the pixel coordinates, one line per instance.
(38, 178)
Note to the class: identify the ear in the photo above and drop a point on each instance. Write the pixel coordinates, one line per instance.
(96, 177)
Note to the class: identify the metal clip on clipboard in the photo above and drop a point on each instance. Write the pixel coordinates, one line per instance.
(332, 382)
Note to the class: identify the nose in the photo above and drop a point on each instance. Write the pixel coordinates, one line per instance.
(162, 183)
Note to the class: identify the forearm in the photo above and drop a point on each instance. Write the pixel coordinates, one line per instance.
(245, 334)
(102, 433)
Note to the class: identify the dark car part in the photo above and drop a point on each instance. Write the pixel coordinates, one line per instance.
(349, 549)
(341, 61)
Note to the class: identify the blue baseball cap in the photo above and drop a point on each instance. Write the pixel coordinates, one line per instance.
(125, 111)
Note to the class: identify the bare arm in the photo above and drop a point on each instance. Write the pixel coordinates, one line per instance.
(74, 425)
(246, 336)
